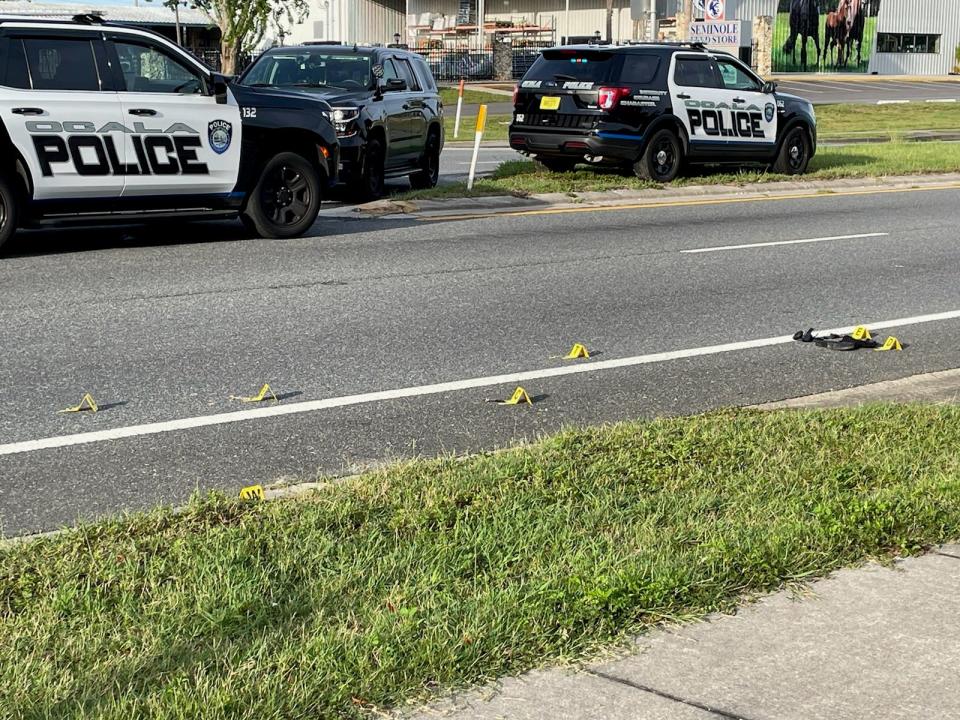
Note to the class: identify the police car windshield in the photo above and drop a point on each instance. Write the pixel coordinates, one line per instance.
(311, 69)
(569, 65)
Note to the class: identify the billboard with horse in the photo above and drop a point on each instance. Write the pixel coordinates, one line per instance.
(824, 35)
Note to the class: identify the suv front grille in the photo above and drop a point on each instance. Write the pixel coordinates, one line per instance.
(558, 120)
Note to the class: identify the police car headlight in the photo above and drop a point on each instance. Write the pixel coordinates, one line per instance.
(344, 119)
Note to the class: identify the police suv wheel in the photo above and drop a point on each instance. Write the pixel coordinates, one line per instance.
(286, 200)
(370, 182)
(794, 153)
(661, 159)
(429, 173)
(9, 206)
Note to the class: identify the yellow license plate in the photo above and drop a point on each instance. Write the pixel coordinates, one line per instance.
(549, 103)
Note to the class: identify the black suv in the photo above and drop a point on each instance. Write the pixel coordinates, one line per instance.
(652, 107)
(386, 108)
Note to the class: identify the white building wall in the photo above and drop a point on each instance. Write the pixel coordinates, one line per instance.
(933, 17)
(586, 16)
(351, 21)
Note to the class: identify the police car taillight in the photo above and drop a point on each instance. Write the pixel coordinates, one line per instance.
(609, 97)
(516, 91)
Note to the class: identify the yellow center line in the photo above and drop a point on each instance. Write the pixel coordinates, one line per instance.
(686, 203)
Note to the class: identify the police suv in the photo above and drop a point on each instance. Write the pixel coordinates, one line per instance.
(104, 122)
(653, 107)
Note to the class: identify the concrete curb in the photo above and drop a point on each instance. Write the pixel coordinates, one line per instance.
(493, 204)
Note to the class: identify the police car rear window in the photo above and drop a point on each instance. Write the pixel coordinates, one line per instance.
(639, 69)
(561, 65)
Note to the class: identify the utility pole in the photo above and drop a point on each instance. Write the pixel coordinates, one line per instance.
(687, 19)
(610, 21)
(566, 23)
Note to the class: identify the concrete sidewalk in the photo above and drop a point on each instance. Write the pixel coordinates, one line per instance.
(870, 642)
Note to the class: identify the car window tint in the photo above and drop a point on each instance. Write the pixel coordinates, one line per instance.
(16, 75)
(406, 72)
(389, 71)
(147, 69)
(695, 72)
(561, 66)
(639, 69)
(426, 77)
(735, 78)
(61, 63)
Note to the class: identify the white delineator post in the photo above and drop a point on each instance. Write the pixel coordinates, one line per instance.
(481, 123)
(456, 122)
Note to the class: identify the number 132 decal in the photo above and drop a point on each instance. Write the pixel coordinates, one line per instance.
(249, 112)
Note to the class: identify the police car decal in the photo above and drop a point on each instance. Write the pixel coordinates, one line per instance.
(720, 119)
(219, 132)
(85, 149)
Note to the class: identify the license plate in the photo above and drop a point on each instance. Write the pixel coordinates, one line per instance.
(549, 103)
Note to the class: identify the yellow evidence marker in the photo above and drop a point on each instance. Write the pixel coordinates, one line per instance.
(891, 344)
(252, 492)
(577, 351)
(519, 396)
(861, 332)
(86, 403)
(259, 397)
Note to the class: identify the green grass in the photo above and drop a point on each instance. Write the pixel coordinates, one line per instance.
(470, 97)
(524, 177)
(848, 121)
(431, 574)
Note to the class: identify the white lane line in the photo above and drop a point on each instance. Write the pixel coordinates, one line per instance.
(784, 242)
(157, 428)
(892, 102)
(940, 100)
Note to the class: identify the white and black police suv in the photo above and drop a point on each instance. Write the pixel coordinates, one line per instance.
(104, 122)
(653, 107)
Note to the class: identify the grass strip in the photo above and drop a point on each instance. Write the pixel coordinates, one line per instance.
(430, 574)
(525, 177)
(470, 97)
(834, 122)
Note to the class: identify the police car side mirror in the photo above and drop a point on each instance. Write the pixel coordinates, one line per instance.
(768, 87)
(220, 88)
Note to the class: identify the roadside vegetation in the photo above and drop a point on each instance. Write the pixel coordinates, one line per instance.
(470, 97)
(834, 122)
(525, 177)
(430, 574)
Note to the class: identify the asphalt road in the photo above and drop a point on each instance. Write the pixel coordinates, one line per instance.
(827, 92)
(163, 326)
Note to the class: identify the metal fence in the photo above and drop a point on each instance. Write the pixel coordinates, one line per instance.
(446, 64)
(451, 64)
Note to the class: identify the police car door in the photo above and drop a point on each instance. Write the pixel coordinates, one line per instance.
(695, 90)
(183, 140)
(752, 117)
(60, 111)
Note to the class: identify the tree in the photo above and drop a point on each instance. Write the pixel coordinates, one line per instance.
(243, 23)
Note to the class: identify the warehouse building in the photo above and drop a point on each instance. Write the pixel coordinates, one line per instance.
(916, 37)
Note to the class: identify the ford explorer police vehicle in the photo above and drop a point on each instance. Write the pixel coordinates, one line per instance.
(653, 107)
(104, 122)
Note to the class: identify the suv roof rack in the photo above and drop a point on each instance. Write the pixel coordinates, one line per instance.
(90, 19)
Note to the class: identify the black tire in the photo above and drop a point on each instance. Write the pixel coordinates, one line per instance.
(369, 183)
(661, 159)
(557, 165)
(286, 200)
(794, 155)
(429, 174)
(9, 208)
